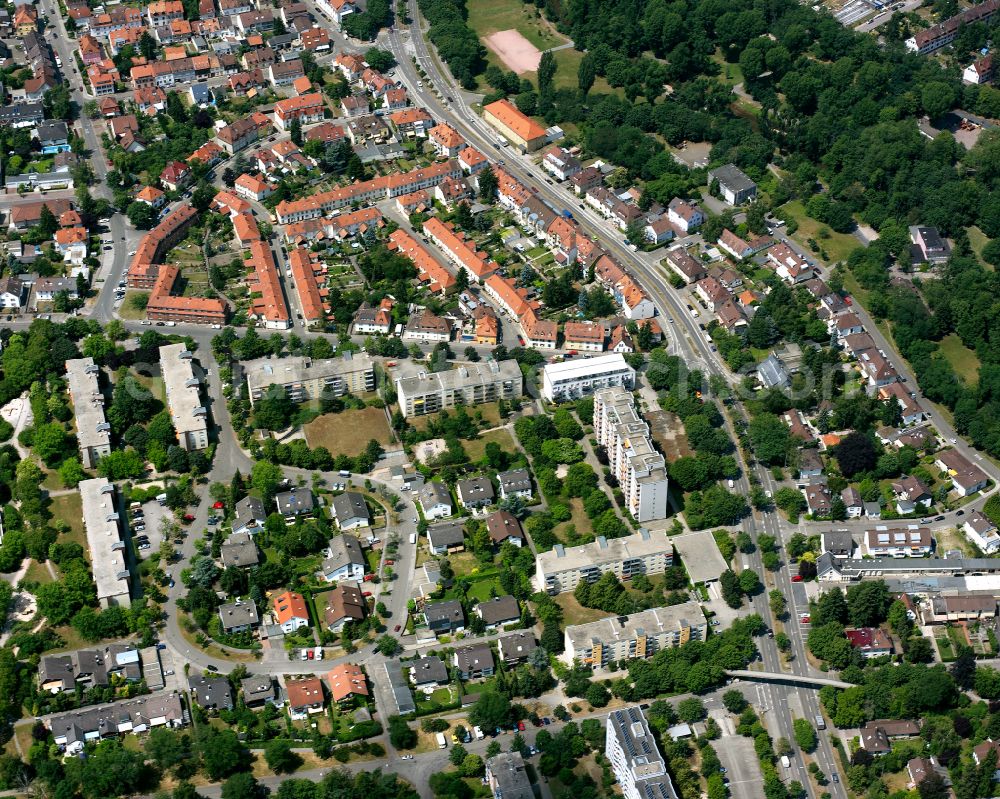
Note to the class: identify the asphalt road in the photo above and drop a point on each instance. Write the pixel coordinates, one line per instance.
(685, 339)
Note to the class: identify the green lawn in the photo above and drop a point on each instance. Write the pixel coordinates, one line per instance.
(476, 448)
(730, 74)
(837, 245)
(964, 361)
(69, 508)
(579, 519)
(127, 310)
(490, 16)
(575, 613)
(978, 240)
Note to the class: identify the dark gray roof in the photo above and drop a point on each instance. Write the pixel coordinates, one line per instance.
(517, 645)
(511, 776)
(476, 489)
(57, 667)
(249, 511)
(434, 493)
(344, 549)
(838, 542)
(348, 506)
(476, 657)
(295, 501)
(257, 687)
(213, 692)
(498, 610)
(239, 550)
(235, 614)
(53, 130)
(733, 177)
(446, 535)
(514, 480)
(429, 669)
(449, 610)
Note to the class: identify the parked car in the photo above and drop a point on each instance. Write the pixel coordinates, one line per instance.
(396, 629)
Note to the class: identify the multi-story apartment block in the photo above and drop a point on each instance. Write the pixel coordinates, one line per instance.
(640, 635)
(563, 568)
(635, 758)
(469, 384)
(640, 470)
(909, 541)
(104, 540)
(187, 412)
(92, 429)
(305, 379)
(577, 378)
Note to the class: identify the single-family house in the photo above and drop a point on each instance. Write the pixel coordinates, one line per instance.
(435, 500)
(475, 492)
(290, 611)
(345, 561)
(498, 611)
(444, 617)
(445, 538)
(474, 662)
(350, 510)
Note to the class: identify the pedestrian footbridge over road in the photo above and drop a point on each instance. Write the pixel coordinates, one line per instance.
(789, 679)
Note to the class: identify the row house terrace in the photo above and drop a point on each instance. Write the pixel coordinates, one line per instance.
(632, 298)
(270, 307)
(460, 250)
(337, 228)
(309, 274)
(380, 188)
(429, 271)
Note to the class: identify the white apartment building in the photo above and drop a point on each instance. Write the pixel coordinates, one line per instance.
(469, 384)
(189, 415)
(635, 758)
(92, 429)
(306, 379)
(104, 540)
(577, 378)
(562, 568)
(640, 470)
(640, 635)
(908, 541)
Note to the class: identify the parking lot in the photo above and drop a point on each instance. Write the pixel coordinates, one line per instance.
(742, 767)
(147, 530)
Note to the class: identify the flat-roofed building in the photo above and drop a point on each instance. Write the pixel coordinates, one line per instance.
(305, 379)
(92, 429)
(563, 568)
(635, 758)
(507, 776)
(640, 470)
(183, 388)
(104, 540)
(578, 378)
(640, 635)
(469, 384)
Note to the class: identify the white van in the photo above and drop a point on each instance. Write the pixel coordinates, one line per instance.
(413, 538)
(442, 741)
(785, 762)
